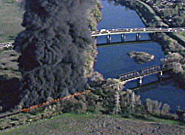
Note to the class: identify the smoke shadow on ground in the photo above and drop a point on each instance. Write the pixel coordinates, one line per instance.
(9, 93)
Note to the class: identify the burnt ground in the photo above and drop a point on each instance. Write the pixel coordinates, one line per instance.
(9, 78)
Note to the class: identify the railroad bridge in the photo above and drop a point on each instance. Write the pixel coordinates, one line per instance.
(137, 31)
(139, 75)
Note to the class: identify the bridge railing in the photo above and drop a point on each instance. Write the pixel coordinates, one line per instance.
(129, 75)
(143, 72)
(134, 30)
(150, 69)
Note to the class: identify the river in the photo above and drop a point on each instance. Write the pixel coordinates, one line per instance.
(113, 60)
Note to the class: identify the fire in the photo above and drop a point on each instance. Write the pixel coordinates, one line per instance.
(54, 101)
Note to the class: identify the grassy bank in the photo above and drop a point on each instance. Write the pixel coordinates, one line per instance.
(11, 18)
(82, 124)
(147, 14)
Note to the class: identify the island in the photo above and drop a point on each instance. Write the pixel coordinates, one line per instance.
(141, 57)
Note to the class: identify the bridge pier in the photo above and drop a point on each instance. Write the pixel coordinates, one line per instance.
(160, 75)
(108, 39)
(123, 37)
(140, 81)
(138, 36)
(151, 35)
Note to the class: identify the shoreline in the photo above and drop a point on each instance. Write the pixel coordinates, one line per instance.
(168, 42)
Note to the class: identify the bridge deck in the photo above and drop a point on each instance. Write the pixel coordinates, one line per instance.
(103, 32)
(134, 75)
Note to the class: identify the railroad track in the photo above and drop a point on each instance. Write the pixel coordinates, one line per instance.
(43, 104)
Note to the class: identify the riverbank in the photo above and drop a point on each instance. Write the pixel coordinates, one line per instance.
(150, 18)
(141, 57)
(170, 43)
(171, 46)
(146, 13)
(94, 16)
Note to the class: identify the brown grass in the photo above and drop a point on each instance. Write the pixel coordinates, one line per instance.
(94, 124)
(11, 18)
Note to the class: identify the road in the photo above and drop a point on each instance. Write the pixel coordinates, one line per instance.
(134, 30)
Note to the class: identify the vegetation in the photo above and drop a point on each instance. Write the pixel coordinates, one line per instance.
(170, 43)
(141, 57)
(96, 16)
(90, 123)
(106, 99)
(172, 12)
(182, 33)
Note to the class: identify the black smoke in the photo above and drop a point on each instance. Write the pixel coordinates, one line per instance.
(52, 48)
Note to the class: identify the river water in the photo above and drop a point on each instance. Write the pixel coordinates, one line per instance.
(113, 60)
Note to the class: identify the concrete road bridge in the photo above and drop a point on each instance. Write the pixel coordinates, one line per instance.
(137, 31)
(104, 32)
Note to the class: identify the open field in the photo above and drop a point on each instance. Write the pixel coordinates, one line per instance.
(10, 20)
(94, 124)
(9, 64)
(182, 33)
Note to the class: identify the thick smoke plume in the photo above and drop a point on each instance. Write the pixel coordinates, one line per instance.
(52, 48)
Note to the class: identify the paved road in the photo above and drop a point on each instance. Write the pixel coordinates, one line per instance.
(134, 30)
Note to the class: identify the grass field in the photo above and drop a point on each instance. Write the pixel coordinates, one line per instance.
(10, 20)
(93, 124)
(182, 33)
